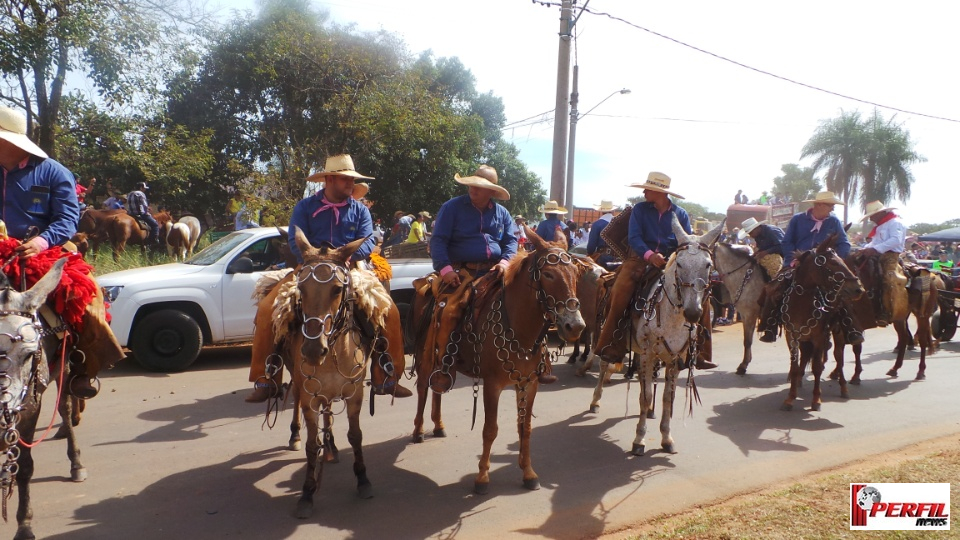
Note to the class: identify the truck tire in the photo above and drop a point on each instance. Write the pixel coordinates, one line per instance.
(942, 327)
(167, 340)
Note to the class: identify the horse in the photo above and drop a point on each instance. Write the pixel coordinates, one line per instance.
(811, 306)
(177, 239)
(193, 224)
(122, 228)
(327, 363)
(922, 297)
(742, 276)
(26, 347)
(590, 293)
(665, 331)
(505, 345)
(93, 223)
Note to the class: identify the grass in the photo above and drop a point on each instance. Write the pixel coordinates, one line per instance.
(813, 508)
(132, 257)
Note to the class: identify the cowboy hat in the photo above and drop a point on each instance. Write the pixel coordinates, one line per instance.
(748, 225)
(519, 217)
(13, 129)
(360, 190)
(605, 206)
(552, 208)
(875, 207)
(398, 213)
(485, 177)
(425, 214)
(341, 165)
(826, 197)
(657, 181)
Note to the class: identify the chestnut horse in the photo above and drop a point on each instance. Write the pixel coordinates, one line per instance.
(123, 228)
(93, 223)
(811, 306)
(28, 345)
(505, 344)
(327, 362)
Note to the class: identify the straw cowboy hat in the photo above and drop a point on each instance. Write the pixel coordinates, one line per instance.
(425, 214)
(875, 207)
(485, 177)
(748, 225)
(398, 213)
(519, 217)
(341, 165)
(826, 197)
(605, 206)
(13, 129)
(360, 190)
(657, 181)
(552, 208)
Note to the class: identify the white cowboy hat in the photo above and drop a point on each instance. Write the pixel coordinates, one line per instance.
(657, 181)
(425, 214)
(360, 190)
(826, 197)
(485, 177)
(341, 165)
(13, 129)
(875, 207)
(552, 208)
(605, 206)
(748, 225)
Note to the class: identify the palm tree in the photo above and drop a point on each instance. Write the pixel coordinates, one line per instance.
(865, 159)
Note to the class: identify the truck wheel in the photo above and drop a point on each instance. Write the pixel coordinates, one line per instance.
(168, 340)
(943, 327)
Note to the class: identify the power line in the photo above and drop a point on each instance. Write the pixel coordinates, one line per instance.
(762, 72)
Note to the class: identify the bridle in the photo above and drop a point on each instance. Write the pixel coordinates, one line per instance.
(753, 263)
(548, 303)
(331, 325)
(699, 285)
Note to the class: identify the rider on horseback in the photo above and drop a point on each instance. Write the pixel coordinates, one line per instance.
(652, 241)
(334, 216)
(886, 241)
(597, 247)
(40, 208)
(769, 239)
(139, 208)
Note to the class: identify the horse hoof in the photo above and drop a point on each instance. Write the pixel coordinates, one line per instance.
(637, 449)
(651, 415)
(844, 394)
(670, 448)
(594, 409)
(304, 509)
(786, 407)
(24, 533)
(892, 373)
(834, 376)
(78, 475)
(533, 484)
(815, 407)
(481, 488)
(365, 491)
(418, 438)
(294, 446)
(921, 376)
(439, 433)
(741, 371)
(572, 359)
(855, 381)
(580, 373)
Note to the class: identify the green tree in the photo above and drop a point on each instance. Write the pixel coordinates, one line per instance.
(797, 184)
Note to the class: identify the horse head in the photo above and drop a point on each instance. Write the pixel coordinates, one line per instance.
(21, 355)
(689, 268)
(555, 278)
(822, 267)
(323, 281)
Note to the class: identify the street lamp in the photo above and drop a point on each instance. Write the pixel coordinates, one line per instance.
(574, 117)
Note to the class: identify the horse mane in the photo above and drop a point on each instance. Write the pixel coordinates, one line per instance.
(513, 269)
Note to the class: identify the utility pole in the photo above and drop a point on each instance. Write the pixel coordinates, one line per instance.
(558, 171)
(571, 151)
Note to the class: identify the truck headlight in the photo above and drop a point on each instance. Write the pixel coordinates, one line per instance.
(112, 292)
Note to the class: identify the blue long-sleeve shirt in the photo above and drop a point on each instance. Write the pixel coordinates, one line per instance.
(652, 231)
(464, 234)
(355, 222)
(40, 193)
(594, 241)
(547, 229)
(800, 235)
(770, 239)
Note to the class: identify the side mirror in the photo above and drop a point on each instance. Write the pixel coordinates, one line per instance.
(240, 265)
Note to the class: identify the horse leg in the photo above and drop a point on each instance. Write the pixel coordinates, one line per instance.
(305, 504)
(796, 374)
(585, 338)
(587, 365)
(525, 399)
(858, 369)
(78, 473)
(598, 391)
(925, 340)
(438, 428)
(749, 327)
(575, 353)
(903, 338)
(295, 443)
(355, 437)
(491, 401)
(24, 475)
(646, 405)
(670, 373)
(423, 383)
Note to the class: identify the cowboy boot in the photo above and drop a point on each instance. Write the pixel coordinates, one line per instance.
(705, 343)
(769, 319)
(98, 348)
(387, 367)
(263, 353)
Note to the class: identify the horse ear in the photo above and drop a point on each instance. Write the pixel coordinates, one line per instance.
(682, 236)
(344, 253)
(303, 243)
(37, 295)
(534, 238)
(829, 243)
(711, 237)
(560, 241)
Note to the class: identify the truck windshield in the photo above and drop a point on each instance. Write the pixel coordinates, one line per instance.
(218, 249)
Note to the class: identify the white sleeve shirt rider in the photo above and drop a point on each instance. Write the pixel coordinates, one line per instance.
(890, 236)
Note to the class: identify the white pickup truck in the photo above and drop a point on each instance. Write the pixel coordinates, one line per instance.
(165, 314)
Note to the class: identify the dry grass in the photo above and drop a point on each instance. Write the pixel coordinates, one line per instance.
(817, 507)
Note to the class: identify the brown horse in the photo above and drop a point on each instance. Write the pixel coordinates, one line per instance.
(93, 223)
(123, 228)
(505, 344)
(811, 304)
(328, 365)
(922, 294)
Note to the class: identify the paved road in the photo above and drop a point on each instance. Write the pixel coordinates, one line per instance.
(182, 456)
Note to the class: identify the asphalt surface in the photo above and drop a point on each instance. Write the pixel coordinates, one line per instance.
(182, 456)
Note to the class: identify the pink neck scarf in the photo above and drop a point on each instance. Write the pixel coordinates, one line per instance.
(817, 222)
(327, 205)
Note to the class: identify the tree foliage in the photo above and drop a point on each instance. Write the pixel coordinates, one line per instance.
(797, 184)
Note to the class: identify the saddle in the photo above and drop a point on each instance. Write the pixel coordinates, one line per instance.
(616, 234)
